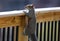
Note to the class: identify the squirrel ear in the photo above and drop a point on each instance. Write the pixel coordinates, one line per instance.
(29, 5)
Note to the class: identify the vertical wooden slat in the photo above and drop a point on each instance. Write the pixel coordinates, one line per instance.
(53, 30)
(42, 31)
(21, 36)
(39, 32)
(5, 34)
(46, 31)
(1, 34)
(10, 35)
(50, 31)
(57, 31)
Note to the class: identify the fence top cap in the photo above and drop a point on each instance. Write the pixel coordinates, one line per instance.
(20, 12)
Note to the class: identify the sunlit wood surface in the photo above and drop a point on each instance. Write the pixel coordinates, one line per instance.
(20, 21)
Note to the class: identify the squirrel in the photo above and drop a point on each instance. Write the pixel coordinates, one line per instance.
(31, 26)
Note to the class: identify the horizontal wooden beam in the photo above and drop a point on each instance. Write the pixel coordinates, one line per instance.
(40, 17)
(49, 16)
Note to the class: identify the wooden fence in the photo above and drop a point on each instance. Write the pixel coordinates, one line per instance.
(12, 24)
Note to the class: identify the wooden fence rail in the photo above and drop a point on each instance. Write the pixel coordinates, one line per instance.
(12, 24)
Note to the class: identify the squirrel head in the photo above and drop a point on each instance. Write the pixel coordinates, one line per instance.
(29, 6)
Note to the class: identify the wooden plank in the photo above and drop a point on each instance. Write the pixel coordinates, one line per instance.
(50, 31)
(21, 29)
(9, 21)
(46, 38)
(57, 31)
(53, 30)
(20, 21)
(40, 17)
(43, 31)
(39, 31)
(49, 16)
(15, 21)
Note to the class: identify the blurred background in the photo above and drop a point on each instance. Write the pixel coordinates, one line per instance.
(9, 5)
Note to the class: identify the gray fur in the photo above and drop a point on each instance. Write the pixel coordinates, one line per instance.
(30, 28)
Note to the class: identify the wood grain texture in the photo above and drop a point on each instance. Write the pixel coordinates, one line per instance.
(21, 21)
(15, 21)
(40, 17)
(49, 16)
